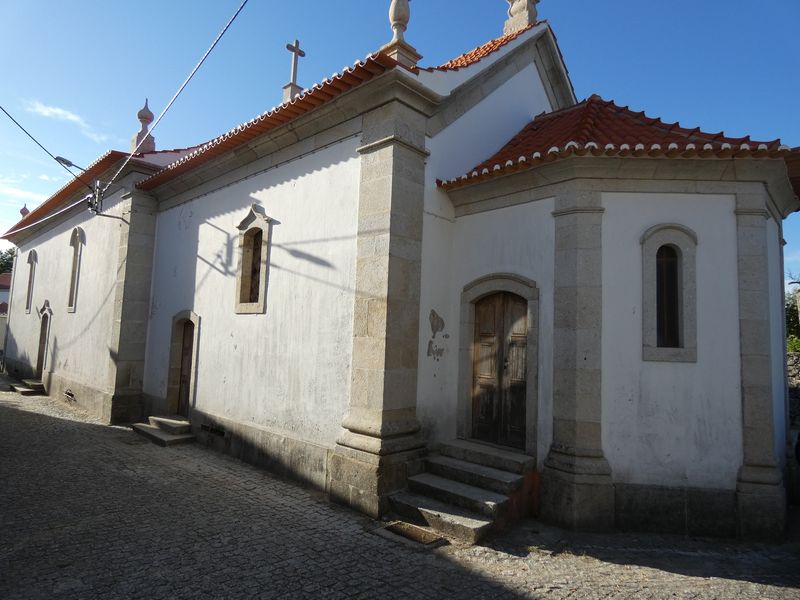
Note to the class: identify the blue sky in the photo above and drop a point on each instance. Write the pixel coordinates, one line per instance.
(75, 73)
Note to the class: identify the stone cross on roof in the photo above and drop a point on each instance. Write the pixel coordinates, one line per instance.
(291, 89)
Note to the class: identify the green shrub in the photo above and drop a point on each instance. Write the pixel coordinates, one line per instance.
(793, 343)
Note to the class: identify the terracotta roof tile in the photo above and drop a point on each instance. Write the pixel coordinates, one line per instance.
(481, 52)
(601, 128)
(349, 78)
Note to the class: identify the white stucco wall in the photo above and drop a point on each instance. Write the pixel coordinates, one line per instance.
(777, 340)
(287, 369)
(674, 424)
(78, 343)
(518, 240)
(475, 136)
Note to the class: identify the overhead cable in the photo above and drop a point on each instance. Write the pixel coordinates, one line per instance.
(175, 97)
(63, 166)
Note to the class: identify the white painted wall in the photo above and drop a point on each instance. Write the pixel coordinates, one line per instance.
(777, 340)
(288, 369)
(78, 347)
(448, 261)
(519, 240)
(674, 424)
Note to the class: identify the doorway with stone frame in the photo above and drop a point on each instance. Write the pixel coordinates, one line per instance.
(498, 366)
(45, 317)
(183, 363)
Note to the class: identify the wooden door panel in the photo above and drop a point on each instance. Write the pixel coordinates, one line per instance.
(185, 381)
(486, 369)
(514, 384)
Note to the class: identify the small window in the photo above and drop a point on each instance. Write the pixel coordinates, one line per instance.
(76, 241)
(32, 260)
(253, 272)
(669, 298)
(250, 284)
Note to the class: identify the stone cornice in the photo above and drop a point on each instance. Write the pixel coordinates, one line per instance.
(393, 86)
(646, 175)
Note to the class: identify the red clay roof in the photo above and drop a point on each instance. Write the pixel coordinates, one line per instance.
(481, 52)
(351, 77)
(601, 128)
(5, 281)
(59, 199)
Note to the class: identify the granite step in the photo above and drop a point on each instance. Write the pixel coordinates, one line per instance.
(25, 390)
(173, 424)
(488, 478)
(448, 520)
(485, 502)
(489, 455)
(34, 384)
(159, 436)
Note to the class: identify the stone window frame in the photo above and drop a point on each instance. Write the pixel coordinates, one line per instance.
(256, 219)
(684, 240)
(33, 260)
(471, 294)
(174, 366)
(77, 240)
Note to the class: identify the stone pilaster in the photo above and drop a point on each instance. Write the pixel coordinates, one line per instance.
(381, 431)
(132, 303)
(761, 498)
(577, 490)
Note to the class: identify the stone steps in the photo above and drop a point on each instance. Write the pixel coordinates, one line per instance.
(171, 424)
(474, 474)
(34, 384)
(469, 490)
(473, 498)
(488, 455)
(26, 390)
(446, 519)
(165, 431)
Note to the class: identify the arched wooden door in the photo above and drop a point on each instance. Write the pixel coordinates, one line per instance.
(185, 381)
(499, 369)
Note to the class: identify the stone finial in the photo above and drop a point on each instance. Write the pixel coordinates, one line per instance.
(399, 15)
(24, 211)
(398, 48)
(521, 14)
(145, 117)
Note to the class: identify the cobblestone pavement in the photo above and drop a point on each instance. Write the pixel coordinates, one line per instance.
(88, 511)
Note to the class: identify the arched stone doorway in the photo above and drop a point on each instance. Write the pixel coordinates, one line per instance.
(45, 314)
(498, 366)
(183, 363)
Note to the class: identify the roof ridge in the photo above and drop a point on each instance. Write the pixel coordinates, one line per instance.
(486, 49)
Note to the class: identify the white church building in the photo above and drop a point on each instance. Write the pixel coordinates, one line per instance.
(453, 293)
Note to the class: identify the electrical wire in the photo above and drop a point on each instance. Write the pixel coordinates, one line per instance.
(175, 97)
(63, 166)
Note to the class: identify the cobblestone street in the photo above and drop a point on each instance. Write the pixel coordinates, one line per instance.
(89, 511)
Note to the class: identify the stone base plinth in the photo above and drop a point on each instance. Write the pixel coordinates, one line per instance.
(365, 481)
(761, 508)
(577, 492)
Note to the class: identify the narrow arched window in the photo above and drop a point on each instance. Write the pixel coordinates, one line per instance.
(253, 272)
(250, 286)
(76, 241)
(32, 259)
(669, 293)
(668, 297)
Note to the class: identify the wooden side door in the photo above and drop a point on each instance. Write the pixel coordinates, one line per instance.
(185, 382)
(486, 368)
(514, 373)
(499, 370)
